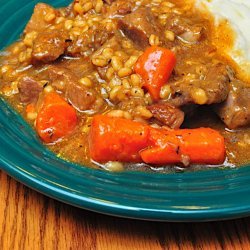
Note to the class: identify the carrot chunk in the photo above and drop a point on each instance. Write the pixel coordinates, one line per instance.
(155, 66)
(117, 139)
(198, 146)
(55, 119)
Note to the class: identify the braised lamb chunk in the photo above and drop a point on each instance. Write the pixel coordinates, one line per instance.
(139, 25)
(81, 66)
(71, 71)
(217, 83)
(48, 46)
(29, 90)
(89, 41)
(213, 87)
(185, 29)
(60, 77)
(81, 97)
(235, 111)
(37, 22)
(167, 114)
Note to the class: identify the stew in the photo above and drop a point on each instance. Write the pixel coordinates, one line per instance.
(124, 84)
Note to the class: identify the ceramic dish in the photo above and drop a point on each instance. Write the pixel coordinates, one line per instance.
(193, 196)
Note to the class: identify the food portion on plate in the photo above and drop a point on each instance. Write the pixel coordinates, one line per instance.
(234, 15)
(132, 84)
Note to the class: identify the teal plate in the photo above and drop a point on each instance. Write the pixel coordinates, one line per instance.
(193, 196)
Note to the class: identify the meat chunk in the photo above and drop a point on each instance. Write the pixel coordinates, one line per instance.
(113, 43)
(139, 25)
(213, 87)
(185, 29)
(235, 111)
(60, 77)
(167, 114)
(80, 67)
(89, 41)
(73, 70)
(37, 22)
(217, 84)
(29, 90)
(48, 46)
(81, 97)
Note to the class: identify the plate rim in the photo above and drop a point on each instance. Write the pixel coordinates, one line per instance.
(124, 211)
(44, 186)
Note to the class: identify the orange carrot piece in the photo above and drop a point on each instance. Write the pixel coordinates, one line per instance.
(155, 66)
(55, 119)
(199, 146)
(117, 139)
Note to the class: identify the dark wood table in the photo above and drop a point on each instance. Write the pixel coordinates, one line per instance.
(29, 220)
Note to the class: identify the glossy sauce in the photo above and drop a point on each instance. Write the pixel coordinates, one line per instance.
(74, 147)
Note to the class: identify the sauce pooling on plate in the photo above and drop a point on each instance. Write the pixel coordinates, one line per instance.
(129, 85)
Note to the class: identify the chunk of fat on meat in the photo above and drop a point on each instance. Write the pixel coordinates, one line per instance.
(37, 22)
(232, 33)
(235, 111)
